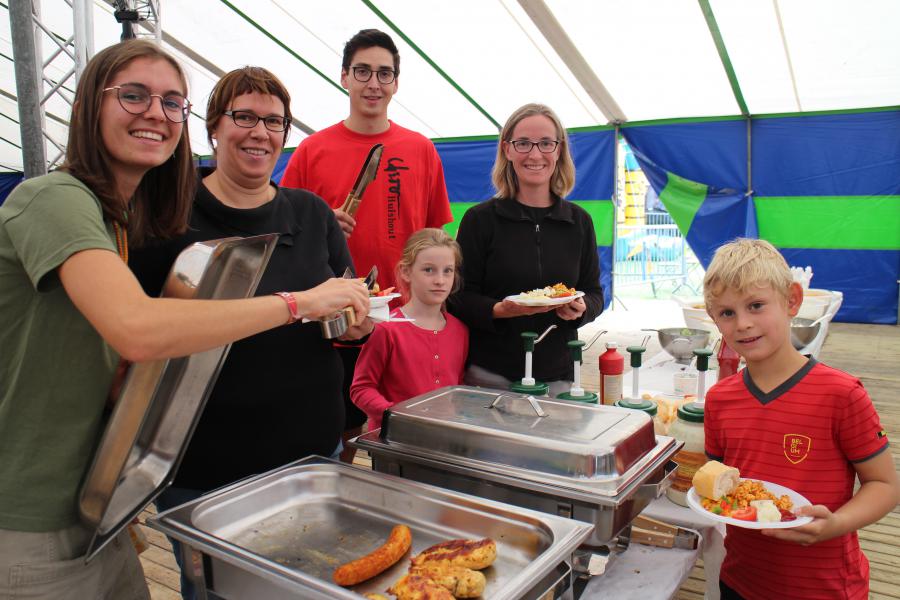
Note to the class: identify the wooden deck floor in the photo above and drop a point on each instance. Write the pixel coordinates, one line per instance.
(871, 352)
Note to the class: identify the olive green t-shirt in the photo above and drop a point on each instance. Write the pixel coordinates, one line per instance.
(55, 369)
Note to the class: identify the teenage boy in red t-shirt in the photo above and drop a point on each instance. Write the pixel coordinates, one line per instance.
(408, 192)
(791, 420)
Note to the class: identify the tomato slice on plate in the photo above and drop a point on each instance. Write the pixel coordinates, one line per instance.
(745, 514)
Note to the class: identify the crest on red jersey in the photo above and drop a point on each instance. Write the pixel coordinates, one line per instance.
(796, 447)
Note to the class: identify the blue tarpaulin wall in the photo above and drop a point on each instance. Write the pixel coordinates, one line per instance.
(824, 189)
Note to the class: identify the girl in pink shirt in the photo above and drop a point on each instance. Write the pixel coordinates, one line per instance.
(407, 358)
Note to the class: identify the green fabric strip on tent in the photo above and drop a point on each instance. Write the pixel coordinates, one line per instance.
(602, 214)
(838, 222)
(682, 198)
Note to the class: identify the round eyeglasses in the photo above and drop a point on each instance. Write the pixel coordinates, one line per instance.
(363, 74)
(136, 100)
(248, 119)
(525, 146)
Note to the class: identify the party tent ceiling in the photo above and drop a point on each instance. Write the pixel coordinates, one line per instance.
(466, 65)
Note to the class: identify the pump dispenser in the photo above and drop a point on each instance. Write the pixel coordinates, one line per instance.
(528, 384)
(577, 392)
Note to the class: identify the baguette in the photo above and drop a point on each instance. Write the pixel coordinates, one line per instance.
(715, 480)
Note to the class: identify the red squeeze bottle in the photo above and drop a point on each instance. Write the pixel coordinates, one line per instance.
(612, 365)
(729, 361)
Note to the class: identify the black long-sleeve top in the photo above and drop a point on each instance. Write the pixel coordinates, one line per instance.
(278, 396)
(506, 250)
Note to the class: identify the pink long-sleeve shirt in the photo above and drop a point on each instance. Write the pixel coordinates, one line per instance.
(401, 360)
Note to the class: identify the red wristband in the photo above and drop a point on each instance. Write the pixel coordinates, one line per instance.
(292, 306)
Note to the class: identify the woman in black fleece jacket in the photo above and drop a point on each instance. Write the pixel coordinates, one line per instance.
(524, 238)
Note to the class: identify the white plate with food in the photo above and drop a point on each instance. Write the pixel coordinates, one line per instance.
(378, 301)
(534, 299)
(768, 501)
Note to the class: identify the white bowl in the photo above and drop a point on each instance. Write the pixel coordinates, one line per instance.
(695, 316)
(815, 303)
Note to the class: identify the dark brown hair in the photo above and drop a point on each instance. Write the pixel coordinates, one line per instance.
(244, 81)
(370, 38)
(162, 201)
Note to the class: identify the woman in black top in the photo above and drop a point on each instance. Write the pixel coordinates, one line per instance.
(278, 396)
(527, 237)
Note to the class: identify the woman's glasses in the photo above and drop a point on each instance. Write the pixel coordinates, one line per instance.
(136, 100)
(248, 120)
(525, 146)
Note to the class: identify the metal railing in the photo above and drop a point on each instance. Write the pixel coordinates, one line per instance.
(652, 253)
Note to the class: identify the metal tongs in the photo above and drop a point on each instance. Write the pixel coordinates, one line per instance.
(337, 324)
(366, 176)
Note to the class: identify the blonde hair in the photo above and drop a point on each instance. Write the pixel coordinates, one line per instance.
(744, 263)
(504, 176)
(423, 239)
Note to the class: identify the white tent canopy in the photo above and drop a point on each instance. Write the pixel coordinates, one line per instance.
(466, 65)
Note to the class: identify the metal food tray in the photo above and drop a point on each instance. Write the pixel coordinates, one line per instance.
(161, 401)
(597, 450)
(282, 534)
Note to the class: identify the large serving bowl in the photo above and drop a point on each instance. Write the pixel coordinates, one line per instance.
(695, 316)
(680, 342)
(801, 332)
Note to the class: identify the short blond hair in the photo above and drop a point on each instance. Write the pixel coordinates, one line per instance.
(504, 177)
(744, 263)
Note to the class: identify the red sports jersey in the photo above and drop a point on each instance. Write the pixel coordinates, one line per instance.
(805, 434)
(408, 192)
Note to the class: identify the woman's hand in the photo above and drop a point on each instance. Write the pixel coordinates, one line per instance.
(333, 295)
(571, 311)
(507, 309)
(360, 331)
(346, 222)
(825, 525)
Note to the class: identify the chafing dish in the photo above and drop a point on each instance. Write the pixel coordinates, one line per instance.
(593, 463)
(282, 534)
(161, 401)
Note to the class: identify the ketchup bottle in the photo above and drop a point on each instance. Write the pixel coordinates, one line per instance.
(729, 361)
(612, 365)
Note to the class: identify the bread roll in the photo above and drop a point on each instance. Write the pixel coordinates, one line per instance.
(715, 480)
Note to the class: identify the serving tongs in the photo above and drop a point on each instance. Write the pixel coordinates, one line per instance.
(651, 532)
(337, 324)
(363, 179)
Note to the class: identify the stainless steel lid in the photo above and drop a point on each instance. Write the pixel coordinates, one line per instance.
(161, 401)
(596, 447)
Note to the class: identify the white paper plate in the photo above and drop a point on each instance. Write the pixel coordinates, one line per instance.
(376, 301)
(531, 301)
(693, 500)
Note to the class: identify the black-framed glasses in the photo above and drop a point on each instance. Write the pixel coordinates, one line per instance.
(248, 119)
(525, 146)
(136, 100)
(363, 74)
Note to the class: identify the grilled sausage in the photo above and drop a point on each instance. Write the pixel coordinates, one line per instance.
(459, 581)
(472, 554)
(416, 587)
(374, 563)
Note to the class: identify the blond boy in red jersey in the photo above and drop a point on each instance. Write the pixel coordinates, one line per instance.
(794, 421)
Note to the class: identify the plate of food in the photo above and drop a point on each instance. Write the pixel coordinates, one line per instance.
(720, 494)
(380, 297)
(552, 295)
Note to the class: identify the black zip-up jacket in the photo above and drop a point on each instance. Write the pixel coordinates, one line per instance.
(506, 252)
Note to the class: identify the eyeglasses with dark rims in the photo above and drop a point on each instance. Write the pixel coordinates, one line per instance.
(248, 120)
(525, 146)
(137, 99)
(363, 74)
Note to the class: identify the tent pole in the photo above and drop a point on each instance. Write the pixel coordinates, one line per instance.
(28, 87)
(615, 217)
